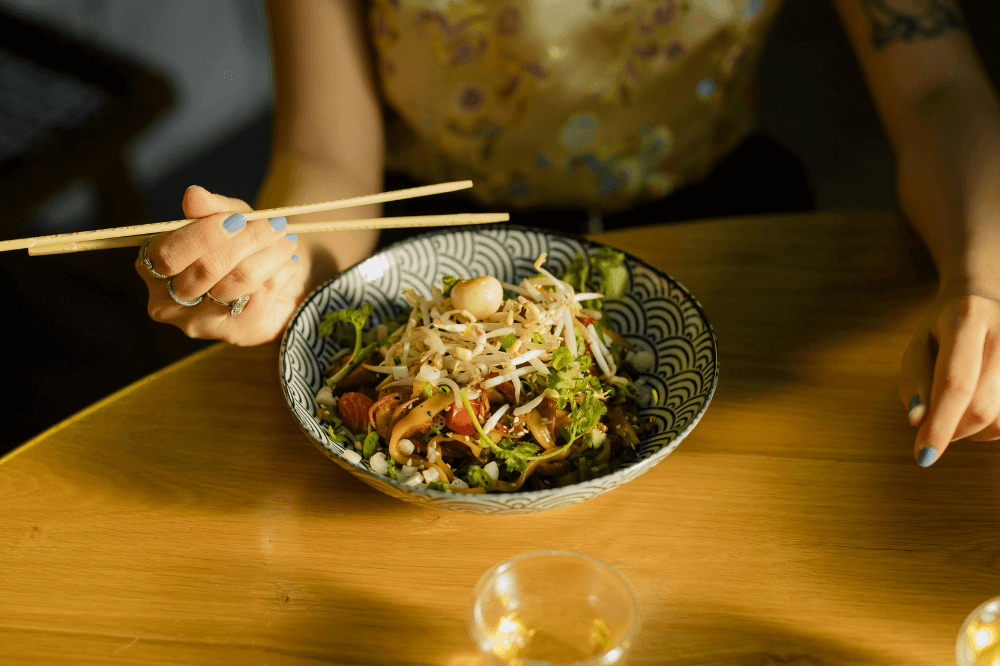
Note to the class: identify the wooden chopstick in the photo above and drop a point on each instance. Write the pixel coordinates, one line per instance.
(298, 228)
(159, 227)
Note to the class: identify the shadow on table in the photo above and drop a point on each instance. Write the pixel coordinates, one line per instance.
(700, 637)
(322, 619)
(827, 278)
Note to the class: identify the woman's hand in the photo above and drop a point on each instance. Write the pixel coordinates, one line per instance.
(951, 374)
(224, 254)
(949, 184)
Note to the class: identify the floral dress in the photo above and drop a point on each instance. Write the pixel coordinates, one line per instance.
(595, 104)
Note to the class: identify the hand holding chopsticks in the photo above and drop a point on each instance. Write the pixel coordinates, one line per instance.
(134, 236)
(232, 273)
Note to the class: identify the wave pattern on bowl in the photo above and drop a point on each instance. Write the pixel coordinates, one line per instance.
(657, 315)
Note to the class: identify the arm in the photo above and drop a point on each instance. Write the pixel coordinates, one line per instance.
(327, 145)
(328, 125)
(933, 97)
(943, 119)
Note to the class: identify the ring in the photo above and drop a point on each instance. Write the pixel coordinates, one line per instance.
(149, 264)
(235, 307)
(170, 288)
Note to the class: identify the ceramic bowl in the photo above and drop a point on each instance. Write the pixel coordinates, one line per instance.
(657, 315)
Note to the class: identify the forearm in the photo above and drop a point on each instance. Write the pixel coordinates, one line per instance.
(328, 134)
(954, 204)
(300, 179)
(941, 115)
(907, 61)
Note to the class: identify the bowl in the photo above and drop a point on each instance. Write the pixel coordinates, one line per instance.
(554, 608)
(657, 315)
(979, 639)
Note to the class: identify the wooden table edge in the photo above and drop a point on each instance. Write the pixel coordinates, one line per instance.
(120, 393)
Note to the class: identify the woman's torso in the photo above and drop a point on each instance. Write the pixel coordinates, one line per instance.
(596, 104)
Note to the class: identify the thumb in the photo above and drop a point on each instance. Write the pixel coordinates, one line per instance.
(199, 202)
(917, 377)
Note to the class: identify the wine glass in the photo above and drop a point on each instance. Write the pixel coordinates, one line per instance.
(553, 607)
(979, 639)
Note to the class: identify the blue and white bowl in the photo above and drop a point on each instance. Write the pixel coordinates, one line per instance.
(657, 315)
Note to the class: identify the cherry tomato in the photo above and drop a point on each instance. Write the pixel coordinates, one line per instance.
(458, 417)
(353, 409)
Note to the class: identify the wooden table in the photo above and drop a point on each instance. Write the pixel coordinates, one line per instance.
(186, 520)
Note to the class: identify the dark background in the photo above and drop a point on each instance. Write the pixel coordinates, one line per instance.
(77, 327)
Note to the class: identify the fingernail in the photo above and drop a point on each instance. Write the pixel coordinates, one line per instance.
(189, 187)
(234, 222)
(916, 415)
(295, 258)
(292, 237)
(926, 456)
(278, 223)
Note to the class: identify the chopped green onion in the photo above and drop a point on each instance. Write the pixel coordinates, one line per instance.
(370, 445)
(447, 282)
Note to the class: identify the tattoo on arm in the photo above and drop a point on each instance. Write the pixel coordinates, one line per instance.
(909, 20)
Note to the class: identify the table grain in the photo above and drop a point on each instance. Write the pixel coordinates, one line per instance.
(186, 519)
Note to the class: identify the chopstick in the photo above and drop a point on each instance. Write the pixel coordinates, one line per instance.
(145, 230)
(299, 228)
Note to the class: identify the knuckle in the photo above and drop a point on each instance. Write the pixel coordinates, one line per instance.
(155, 310)
(206, 269)
(166, 259)
(984, 408)
(958, 384)
(193, 329)
(979, 414)
(968, 308)
(243, 275)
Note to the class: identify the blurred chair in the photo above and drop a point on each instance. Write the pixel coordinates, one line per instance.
(67, 111)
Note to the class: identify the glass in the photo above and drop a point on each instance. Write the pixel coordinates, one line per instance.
(979, 640)
(553, 607)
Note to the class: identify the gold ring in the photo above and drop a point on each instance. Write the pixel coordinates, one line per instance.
(235, 307)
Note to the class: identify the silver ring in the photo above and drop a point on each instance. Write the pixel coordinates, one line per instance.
(235, 307)
(170, 289)
(149, 264)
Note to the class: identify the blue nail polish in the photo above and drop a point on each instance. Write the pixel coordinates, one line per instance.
(234, 222)
(914, 401)
(278, 223)
(292, 237)
(926, 456)
(295, 258)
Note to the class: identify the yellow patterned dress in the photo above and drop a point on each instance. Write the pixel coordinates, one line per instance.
(594, 104)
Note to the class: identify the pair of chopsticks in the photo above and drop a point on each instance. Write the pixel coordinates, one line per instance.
(136, 235)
